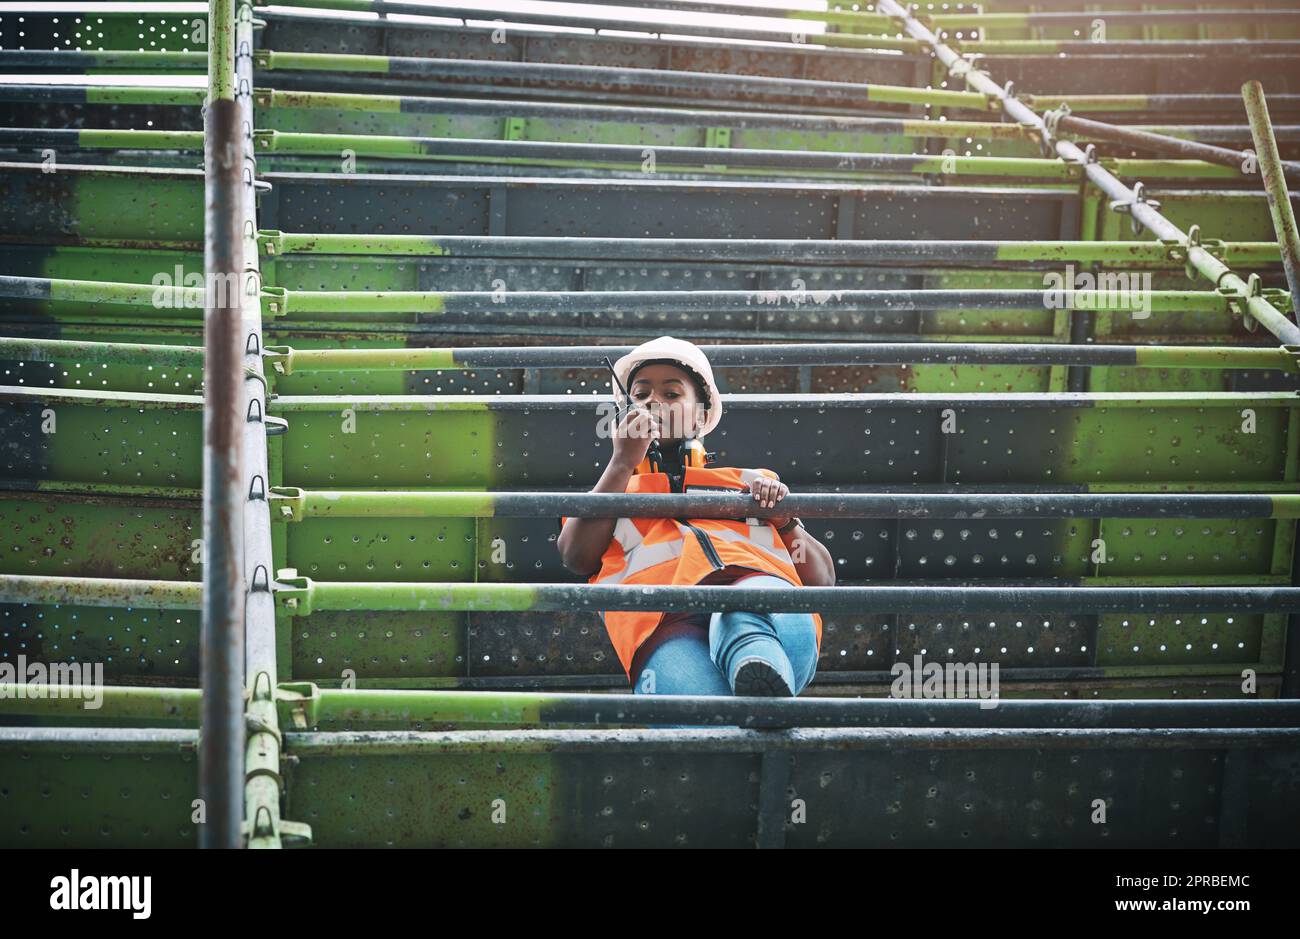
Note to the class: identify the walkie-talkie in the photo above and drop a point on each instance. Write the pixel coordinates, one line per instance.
(652, 453)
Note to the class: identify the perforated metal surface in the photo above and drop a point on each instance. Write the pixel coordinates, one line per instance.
(652, 209)
(100, 460)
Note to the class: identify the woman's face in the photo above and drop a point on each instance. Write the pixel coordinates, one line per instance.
(669, 392)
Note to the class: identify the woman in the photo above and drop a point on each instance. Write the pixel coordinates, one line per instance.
(657, 448)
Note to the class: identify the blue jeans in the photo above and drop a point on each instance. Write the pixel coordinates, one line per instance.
(692, 664)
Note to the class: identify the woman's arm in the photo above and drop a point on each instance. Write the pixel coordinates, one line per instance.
(812, 560)
(583, 541)
(814, 564)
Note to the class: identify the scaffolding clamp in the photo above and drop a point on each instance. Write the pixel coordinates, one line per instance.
(1182, 250)
(293, 593)
(1052, 119)
(1239, 298)
(277, 300)
(270, 242)
(298, 704)
(279, 358)
(965, 66)
(288, 504)
(1126, 206)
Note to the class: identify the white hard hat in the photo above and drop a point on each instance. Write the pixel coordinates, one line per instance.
(683, 353)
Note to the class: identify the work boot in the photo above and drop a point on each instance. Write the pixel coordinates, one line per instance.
(756, 678)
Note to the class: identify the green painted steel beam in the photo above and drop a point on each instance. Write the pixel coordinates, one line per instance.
(991, 253)
(287, 361)
(95, 139)
(117, 353)
(101, 94)
(114, 61)
(101, 591)
(347, 441)
(271, 60)
(187, 302)
(801, 131)
(596, 156)
(104, 704)
(611, 156)
(282, 302)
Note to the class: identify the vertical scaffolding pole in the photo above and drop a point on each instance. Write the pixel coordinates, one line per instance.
(1279, 200)
(262, 787)
(221, 740)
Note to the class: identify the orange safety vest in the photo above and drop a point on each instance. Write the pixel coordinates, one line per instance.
(683, 552)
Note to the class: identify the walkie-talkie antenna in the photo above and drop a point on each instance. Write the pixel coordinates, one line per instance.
(652, 452)
(627, 398)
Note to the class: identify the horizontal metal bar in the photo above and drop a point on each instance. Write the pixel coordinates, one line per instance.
(301, 596)
(108, 740)
(188, 301)
(736, 740)
(101, 591)
(767, 250)
(287, 361)
(1159, 143)
(1196, 14)
(847, 18)
(78, 62)
(734, 402)
(1120, 299)
(97, 93)
(1208, 48)
(276, 99)
(492, 707)
(289, 404)
(359, 707)
(118, 353)
(180, 301)
(1018, 683)
(112, 703)
(595, 78)
(270, 99)
(1162, 104)
(293, 504)
(531, 152)
(77, 139)
(600, 21)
